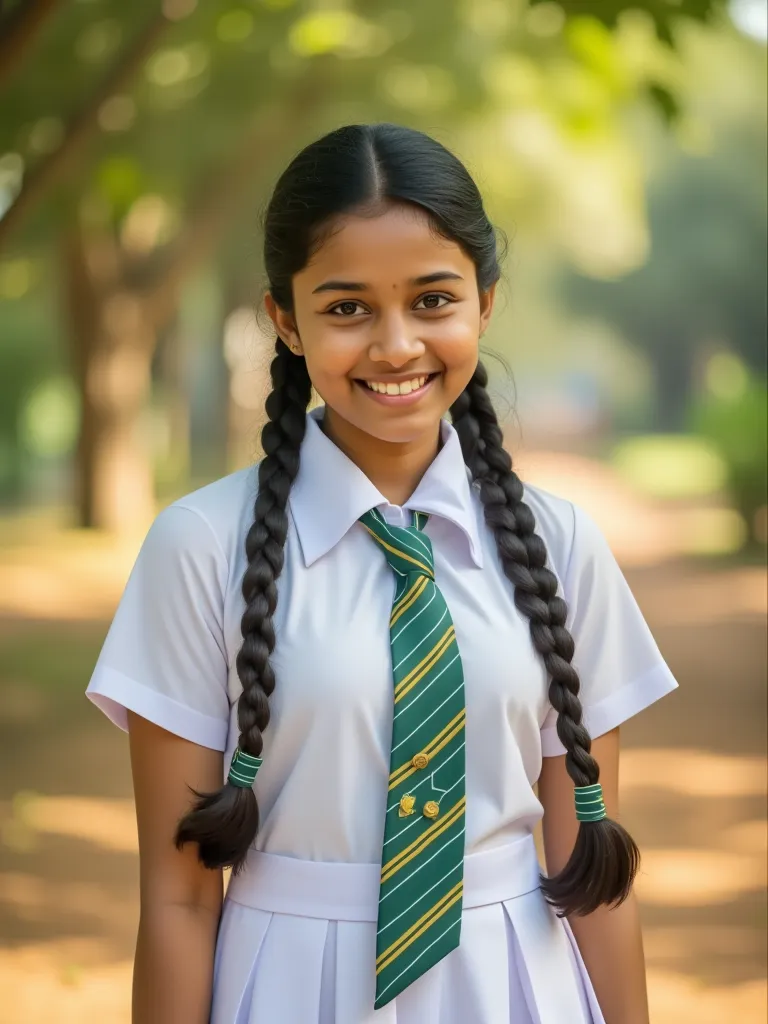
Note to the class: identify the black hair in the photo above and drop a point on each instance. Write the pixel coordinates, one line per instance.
(360, 168)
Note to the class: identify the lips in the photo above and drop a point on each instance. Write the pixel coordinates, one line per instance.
(404, 395)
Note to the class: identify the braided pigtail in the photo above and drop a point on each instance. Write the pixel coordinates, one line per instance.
(224, 824)
(604, 860)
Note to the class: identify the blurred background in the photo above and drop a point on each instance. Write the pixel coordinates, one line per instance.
(622, 148)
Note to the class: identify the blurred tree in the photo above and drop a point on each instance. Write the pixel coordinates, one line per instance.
(19, 30)
(703, 284)
(664, 14)
(140, 135)
(733, 414)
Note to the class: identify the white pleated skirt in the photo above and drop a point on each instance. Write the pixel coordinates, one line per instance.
(297, 945)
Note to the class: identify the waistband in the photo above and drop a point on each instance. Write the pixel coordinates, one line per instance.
(350, 892)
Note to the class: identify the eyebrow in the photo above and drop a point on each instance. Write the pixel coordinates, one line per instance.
(358, 286)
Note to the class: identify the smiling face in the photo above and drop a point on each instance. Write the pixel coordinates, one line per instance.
(386, 302)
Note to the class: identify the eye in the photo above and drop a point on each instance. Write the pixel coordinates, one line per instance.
(346, 308)
(431, 301)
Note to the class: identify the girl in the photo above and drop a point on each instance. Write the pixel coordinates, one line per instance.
(401, 639)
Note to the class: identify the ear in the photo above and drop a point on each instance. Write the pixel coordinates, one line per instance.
(285, 325)
(486, 306)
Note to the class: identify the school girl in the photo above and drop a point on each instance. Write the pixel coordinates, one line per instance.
(380, 640)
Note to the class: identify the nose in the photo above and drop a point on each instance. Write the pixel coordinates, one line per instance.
(395, 343)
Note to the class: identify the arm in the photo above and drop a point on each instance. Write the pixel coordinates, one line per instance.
(610, 941)
(180, 899)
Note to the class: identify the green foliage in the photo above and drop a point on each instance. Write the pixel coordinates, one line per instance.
(737, 424)
(705, 276)
(27, 358)
(189, 104)
(556, 77)
(663, 13)
(670, 465)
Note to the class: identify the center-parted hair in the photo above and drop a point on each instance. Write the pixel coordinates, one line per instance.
(361, 169)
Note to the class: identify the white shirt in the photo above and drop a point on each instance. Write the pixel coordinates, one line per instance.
(171, 649)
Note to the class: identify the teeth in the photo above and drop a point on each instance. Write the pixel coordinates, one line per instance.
(404, 388)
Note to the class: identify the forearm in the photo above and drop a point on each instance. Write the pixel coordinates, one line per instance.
(611, 945)
(173, 969)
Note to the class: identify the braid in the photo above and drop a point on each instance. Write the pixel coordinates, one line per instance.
(604, 860)
(224, 824)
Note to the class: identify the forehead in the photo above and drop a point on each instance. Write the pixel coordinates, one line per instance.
(398, 244)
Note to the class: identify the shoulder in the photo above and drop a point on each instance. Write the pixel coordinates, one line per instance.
(555, 523)
(208, 524)
(571, 535)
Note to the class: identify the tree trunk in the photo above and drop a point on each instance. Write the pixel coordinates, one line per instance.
(57, 165)
(114, 323)
(674, 379)
(112, 344)
(172, 391)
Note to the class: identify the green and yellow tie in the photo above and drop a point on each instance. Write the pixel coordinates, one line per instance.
(422, 865)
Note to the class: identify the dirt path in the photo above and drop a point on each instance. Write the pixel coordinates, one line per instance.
(694, 779)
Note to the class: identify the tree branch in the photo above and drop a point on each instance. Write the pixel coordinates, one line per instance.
(52, 169)
(220, 195)
(19, 30)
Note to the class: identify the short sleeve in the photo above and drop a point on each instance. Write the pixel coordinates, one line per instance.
(619, 663)
(164, 656)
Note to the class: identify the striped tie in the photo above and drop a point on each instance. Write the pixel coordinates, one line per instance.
(422, 865)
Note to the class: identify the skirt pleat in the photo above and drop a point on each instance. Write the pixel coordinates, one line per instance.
(542, 943)
(241, 933)
(289, 970)
(517, 964)
(474, 982)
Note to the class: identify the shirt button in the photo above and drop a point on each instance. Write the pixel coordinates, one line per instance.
(420, 761)
(431, 809)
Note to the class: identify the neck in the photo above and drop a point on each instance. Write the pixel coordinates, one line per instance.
(394, 469)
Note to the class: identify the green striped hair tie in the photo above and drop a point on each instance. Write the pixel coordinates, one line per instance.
(589, 803)
(242, 770)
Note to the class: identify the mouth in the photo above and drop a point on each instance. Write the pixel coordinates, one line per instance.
(404, 392)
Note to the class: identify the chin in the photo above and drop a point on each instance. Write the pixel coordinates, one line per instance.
(392, 426)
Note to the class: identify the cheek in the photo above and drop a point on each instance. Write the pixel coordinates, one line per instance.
(333, 354)
(456, 343)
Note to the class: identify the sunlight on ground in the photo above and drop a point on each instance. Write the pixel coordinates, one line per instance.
(64, 980)
(674, 999)
(47, 978)
(696, 773)
(704, 841)
(110, 824)
(72, 975)
(640, 531)
(690, 878)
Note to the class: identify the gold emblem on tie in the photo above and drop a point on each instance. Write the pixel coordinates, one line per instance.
(406, 805)
(431, 809)
(420, 761)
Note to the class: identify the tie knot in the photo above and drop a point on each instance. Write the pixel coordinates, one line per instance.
(407, 548)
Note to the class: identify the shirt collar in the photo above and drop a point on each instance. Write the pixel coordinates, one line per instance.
(330, 492)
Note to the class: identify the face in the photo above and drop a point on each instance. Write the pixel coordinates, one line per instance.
(388, 316)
